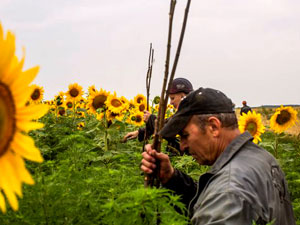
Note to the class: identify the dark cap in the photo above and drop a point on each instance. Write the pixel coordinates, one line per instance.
(181, 85)
(200, 101)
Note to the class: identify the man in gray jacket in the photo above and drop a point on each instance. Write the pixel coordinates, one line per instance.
(245, 182)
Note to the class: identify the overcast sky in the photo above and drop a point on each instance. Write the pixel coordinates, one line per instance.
(249, 49)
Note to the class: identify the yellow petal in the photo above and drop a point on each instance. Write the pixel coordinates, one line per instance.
(29, 125)
(24, 146)
(12, 199)
(25, 78)
(14, 69)
(10, 179)
(2, 203)
(6, 184)
(23, 173)
(7, 49)
(32, 112)
(22, 95)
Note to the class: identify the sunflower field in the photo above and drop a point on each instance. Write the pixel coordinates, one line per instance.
(65, 161)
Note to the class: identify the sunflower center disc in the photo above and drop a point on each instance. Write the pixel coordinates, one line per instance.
(116, 103)
(36, 94)
(74, 92)
(283, 117)
(7, 118)
(69, 105)
(138, 119)
(139, 100)
(142, 108)
(252, 128)
(61, 111)
(98, 101)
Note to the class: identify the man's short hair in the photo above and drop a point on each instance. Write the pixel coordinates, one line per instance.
(228, 120)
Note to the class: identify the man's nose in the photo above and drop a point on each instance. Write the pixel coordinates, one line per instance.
(183, 146)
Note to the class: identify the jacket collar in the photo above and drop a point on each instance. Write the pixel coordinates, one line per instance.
(230, 151)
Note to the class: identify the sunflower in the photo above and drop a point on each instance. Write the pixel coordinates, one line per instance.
(37, 94)
(80, 125)
(75, 92)
(252, 123)
(16, 122)
(91, 89)
(97, 100)
(283, 118)
(110, 116)
(114, 104)
(80, 114)
(156, 100)
(141, 107)
(100, 116)
(59, 99)
(137, 118)
(69, 104)
(61, 111)
(139, 99)
(131, 105)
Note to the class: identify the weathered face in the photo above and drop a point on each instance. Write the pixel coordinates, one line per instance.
(175, 99)
(200, 144)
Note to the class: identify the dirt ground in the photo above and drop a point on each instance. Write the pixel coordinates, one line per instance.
(294, 130)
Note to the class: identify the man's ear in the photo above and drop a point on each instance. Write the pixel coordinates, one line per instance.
(214, 125)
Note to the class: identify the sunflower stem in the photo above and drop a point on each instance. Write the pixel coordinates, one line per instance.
(105, 133)
(276, 145)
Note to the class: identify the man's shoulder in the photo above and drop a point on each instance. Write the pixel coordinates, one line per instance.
(248, 169)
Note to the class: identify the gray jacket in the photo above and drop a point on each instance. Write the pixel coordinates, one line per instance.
(245, 184)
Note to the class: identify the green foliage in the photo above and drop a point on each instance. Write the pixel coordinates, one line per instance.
(288, 157)
(81, 182)
(144, 206)
(90, 177)
(189, 166)
(266, 112)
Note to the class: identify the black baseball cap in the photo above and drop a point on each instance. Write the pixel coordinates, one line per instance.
(200, 101)
(181, 85)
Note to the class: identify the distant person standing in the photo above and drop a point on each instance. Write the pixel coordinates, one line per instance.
(245, 109)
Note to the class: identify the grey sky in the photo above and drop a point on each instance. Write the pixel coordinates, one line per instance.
(249, 49)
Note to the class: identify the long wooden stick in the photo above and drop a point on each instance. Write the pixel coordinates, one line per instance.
(151, 180)
(177, 54)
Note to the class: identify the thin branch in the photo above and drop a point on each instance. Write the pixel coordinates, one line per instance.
(152, 179)
(149, 73)
(177, 53)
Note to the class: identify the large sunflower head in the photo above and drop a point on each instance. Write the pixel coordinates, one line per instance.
(15, 122)
(37, 93)
(114, 104)
(139, 99)
(252, 123)
(75, 92)
(283, 118)
(97, 100)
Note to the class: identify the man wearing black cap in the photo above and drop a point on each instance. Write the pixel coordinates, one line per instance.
(245, 182)
(179, 89)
